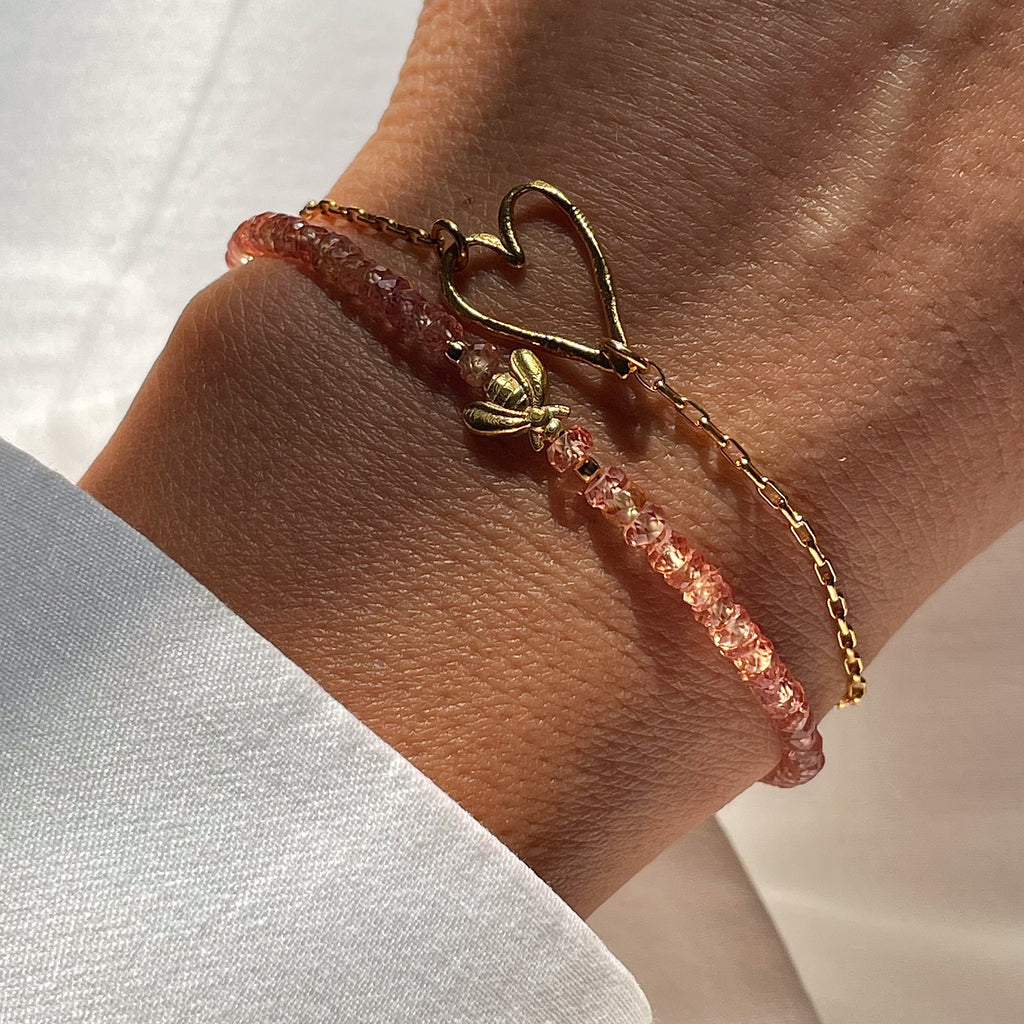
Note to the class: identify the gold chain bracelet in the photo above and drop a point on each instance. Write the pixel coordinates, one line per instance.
(612, 355)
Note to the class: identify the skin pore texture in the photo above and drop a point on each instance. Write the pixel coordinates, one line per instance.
(813, 215)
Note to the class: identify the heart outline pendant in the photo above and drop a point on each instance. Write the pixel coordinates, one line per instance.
(613, 354)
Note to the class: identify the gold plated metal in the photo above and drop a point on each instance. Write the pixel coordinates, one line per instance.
(357, 215)
(516, 404)
(614, 354)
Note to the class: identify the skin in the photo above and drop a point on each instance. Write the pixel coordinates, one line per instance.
(813, 215)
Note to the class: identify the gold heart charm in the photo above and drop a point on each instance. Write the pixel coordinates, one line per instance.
(613, 354)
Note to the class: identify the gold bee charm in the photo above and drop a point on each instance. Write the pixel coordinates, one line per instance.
(516, 403)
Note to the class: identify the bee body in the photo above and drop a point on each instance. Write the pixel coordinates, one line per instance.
(516, 402)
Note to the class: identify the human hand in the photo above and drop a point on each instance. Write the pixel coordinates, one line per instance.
(819, 182)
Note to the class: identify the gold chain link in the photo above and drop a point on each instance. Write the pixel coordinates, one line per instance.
(377, 221)
(651, 376)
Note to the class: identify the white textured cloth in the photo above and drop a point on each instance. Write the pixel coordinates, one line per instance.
(191, 829)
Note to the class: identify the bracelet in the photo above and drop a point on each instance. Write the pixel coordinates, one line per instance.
(515, 401)
(612, 355)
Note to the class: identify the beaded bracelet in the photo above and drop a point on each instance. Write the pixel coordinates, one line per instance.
(515, 401)
(612, 355)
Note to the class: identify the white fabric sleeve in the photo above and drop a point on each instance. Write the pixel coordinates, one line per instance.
(191, 829)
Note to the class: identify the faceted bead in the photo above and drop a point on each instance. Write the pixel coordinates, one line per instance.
(795, 716)
(342, 267)
(570, 448)
(766, 683)
(284, 243)
(377, 287)
(364, 288)
(307, 241)
(606, 486)
(478, 363)
(670, 553)
(267, 230)
(647, 527)
(753, 657)
(798, 766)
(384, 280)
(711, 613)
(240, 247)
(402, 307)
(804, 740)
(327, 255)
(706, 588)
(440, 332)
(412, 311)
(681, 579)
(625, 505)
(735, 633)
(611, 494)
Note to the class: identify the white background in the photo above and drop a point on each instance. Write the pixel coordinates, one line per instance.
(136, 136)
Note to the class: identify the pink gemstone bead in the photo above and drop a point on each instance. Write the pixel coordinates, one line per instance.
(670, 553)
(339, 266)
(605, 486)
(735, 633)
(752, 658)
(625, 506)
(329, 255)
(377, 288)
(798, 765)
(570, 448)
(707, 588)
(611, 493)
(440, 332)
(384, 280)
(713, 613)
(266, 231)
(307, 242)
(804, 740)
(794, 716)
(647, 527)
(403, 308)
(479, 363)
(281, 243)
(409, 311)
(766, 683)
(240, 246)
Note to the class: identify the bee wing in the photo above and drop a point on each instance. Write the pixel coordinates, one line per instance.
(489, 418)
(530, 372)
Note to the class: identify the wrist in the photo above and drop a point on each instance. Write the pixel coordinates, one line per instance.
(270, 453)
